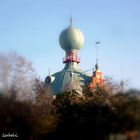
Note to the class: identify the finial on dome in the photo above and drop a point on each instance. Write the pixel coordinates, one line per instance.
(49, 72)
(70, 21)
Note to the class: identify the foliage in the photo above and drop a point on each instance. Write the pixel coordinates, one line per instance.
(83, 117)
(91, 115)
(16, 71)
(14, 117)
(44, 118)
(30, 120)
(96, 115)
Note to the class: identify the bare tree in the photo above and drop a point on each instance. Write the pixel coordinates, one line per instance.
(16, 73)
(4, 73)
(111, 86)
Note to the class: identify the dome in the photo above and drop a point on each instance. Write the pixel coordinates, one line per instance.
(71, 39)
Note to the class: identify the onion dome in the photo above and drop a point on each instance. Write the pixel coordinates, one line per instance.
(71, 39)
(71, 77)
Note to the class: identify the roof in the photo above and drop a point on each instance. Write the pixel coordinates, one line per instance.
(71, 77)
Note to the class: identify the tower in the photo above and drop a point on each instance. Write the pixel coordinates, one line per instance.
(97, 77)
(71, 76)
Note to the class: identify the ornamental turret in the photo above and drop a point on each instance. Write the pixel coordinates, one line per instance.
(97, 78)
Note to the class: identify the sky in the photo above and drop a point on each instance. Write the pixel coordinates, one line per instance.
(32, 28)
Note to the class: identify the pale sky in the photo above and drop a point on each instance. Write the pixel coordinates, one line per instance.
(32, 28)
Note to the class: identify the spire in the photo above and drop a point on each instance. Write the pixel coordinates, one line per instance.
(97, 77)
(122, 85)
(49, 72)
(70, 21)
(122, 80)
(96, 65)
